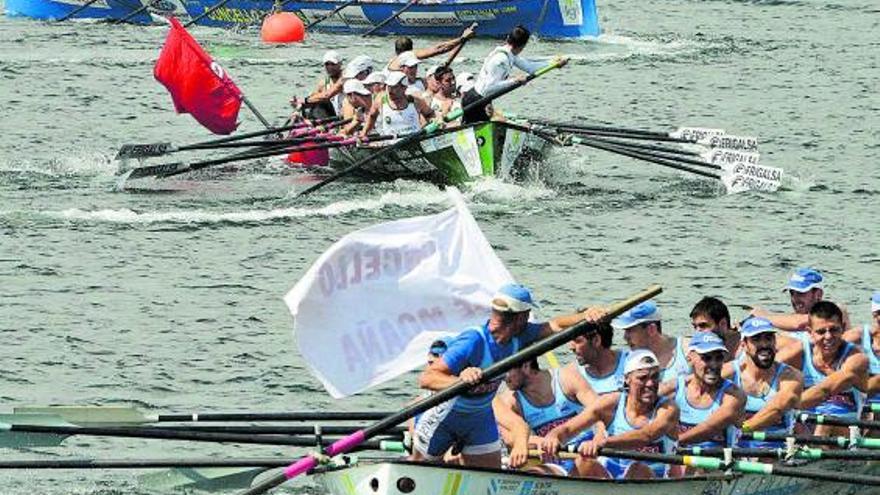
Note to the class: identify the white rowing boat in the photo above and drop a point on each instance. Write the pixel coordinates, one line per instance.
(408, 478)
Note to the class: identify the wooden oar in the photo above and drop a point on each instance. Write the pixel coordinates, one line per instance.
(331, 14)
(780, 453)
(107, 415)
(824, 419)
(352, 441)
(390, 18)
(843, 442)
(424, 131)
(76, 10)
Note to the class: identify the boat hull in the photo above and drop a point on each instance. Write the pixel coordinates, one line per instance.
(455, 156)
(404, 478)
(100, 9)
(546, 18)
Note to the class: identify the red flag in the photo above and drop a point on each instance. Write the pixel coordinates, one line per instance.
(198, 85)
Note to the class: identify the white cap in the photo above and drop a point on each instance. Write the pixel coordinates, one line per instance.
(332, 56)
(431, 70)
(408, 59)
(355, 86)
(640, 359)
(375, 77)
(394, 78)
(357, 65)
(464, 81)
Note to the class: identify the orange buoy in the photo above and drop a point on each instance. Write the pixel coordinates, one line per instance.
(282, 27)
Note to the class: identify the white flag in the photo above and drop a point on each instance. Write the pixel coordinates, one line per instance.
(369, 308)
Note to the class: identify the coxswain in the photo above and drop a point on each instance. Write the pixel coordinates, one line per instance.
(772, 389)
(404, 44)
(868, 337)
(395, 112)
(635, 418)
(642, 329)
(537, 401)
(710, 405)
(495, 73)
(358, 100)
(710, 314)
(834, 370)
(468, 419)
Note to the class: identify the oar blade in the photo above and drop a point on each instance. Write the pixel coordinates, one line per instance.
(90, 415)
(161, 170)
(206, 479)
(740, 177)
(730, 142)
(14, 439)
(695, 134)
(128, 151)
(721, 156)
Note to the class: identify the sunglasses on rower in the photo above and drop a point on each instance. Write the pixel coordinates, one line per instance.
(834, 330)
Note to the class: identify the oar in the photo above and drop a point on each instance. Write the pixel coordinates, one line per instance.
(875, 407)
(76, 10)
(159, 149)
(457, 50)
(168, 434)
(106, 415)
(346, 444)
(824, 419)
(206, 13)
(843, 442)
(315, 430)
(688, 134)
(331, 14)
(424, 131)
(595, 143)
(780, 453)
(391, 18)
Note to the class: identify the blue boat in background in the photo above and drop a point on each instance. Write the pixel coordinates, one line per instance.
(546, 18)
(98, 9)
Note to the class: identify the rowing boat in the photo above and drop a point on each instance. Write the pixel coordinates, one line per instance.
(94, 9)
(409, 478)
(546, 18)
(456, 155)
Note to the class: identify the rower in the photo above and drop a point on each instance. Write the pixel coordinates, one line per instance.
(636, 418)
(642, 329)
(868, 337)
(468, 418)
(333, 68)
(495, 72)
(772, 389)
(805, 288)
(537, 401)
(358, 68)
(395, 112)
(375, 82)
(596, 362)
(404, 44)
(433, 86)
(409, 65)
(358, 100)
(710, 314)
(710, 405)
(443, 100)
(832, 367)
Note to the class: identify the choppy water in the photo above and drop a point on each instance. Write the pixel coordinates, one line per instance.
(171, 298)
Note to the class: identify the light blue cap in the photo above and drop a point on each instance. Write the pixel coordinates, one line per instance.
(803, 280)
(755, 325)
(644, 312)
(875, 301)
(706, 342)
(513, 298)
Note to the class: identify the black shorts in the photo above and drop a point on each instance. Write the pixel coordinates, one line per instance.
(476, 114)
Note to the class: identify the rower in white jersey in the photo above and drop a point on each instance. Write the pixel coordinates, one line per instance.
(409, 65)
(636, 418)
(358, 100)
(772, 389)
(834, 370)
(358, 68)
(868, 337)
(709, 405)
(443, 100)
(395, 112)
(495, 72)
(642, 329)
(537, 401)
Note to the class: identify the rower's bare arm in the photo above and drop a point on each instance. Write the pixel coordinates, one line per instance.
(853, 335)
(783, 321)
(787, 398)
(600, 410)
(851, 374)
(665, 422)
(424, 109)
(560, 323)
(511, 422)
(326, 93)
(789, 351)
(574, 385)
(728, 414)
(443, 46)
(872, 386)
(372, 115)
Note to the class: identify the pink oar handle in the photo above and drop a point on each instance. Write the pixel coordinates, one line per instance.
(340, 446)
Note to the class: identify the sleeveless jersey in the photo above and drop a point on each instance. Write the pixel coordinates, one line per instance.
(691, 415)
(542, 419)
(873, 361)
(336, 101)
(847, 403)
(398, 122)
(678, 366)
(618, 467)
(612, 382)
(755, 403)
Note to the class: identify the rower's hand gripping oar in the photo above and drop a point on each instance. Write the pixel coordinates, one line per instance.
(536, 349)
(428, 129)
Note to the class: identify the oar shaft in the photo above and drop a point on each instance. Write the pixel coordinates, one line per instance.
(822, 419)
(644, 156)
(278, 430)
(868, 443)
(600, 128)
(780, 453)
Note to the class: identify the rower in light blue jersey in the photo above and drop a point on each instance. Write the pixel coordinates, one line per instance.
(772, 389)
(710, 405)
(868, 337)
(467, 420)
(596, 362)
(642, 329)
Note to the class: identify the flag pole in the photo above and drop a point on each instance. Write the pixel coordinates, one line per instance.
(256, 112)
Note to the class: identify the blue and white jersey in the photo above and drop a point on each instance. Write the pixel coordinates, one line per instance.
(617, 467)
(678, 365)
(847, 403)
(755, 403)
(612, 382)
(542, 419)
(873, 361)
(691, 415)
(475, 347)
